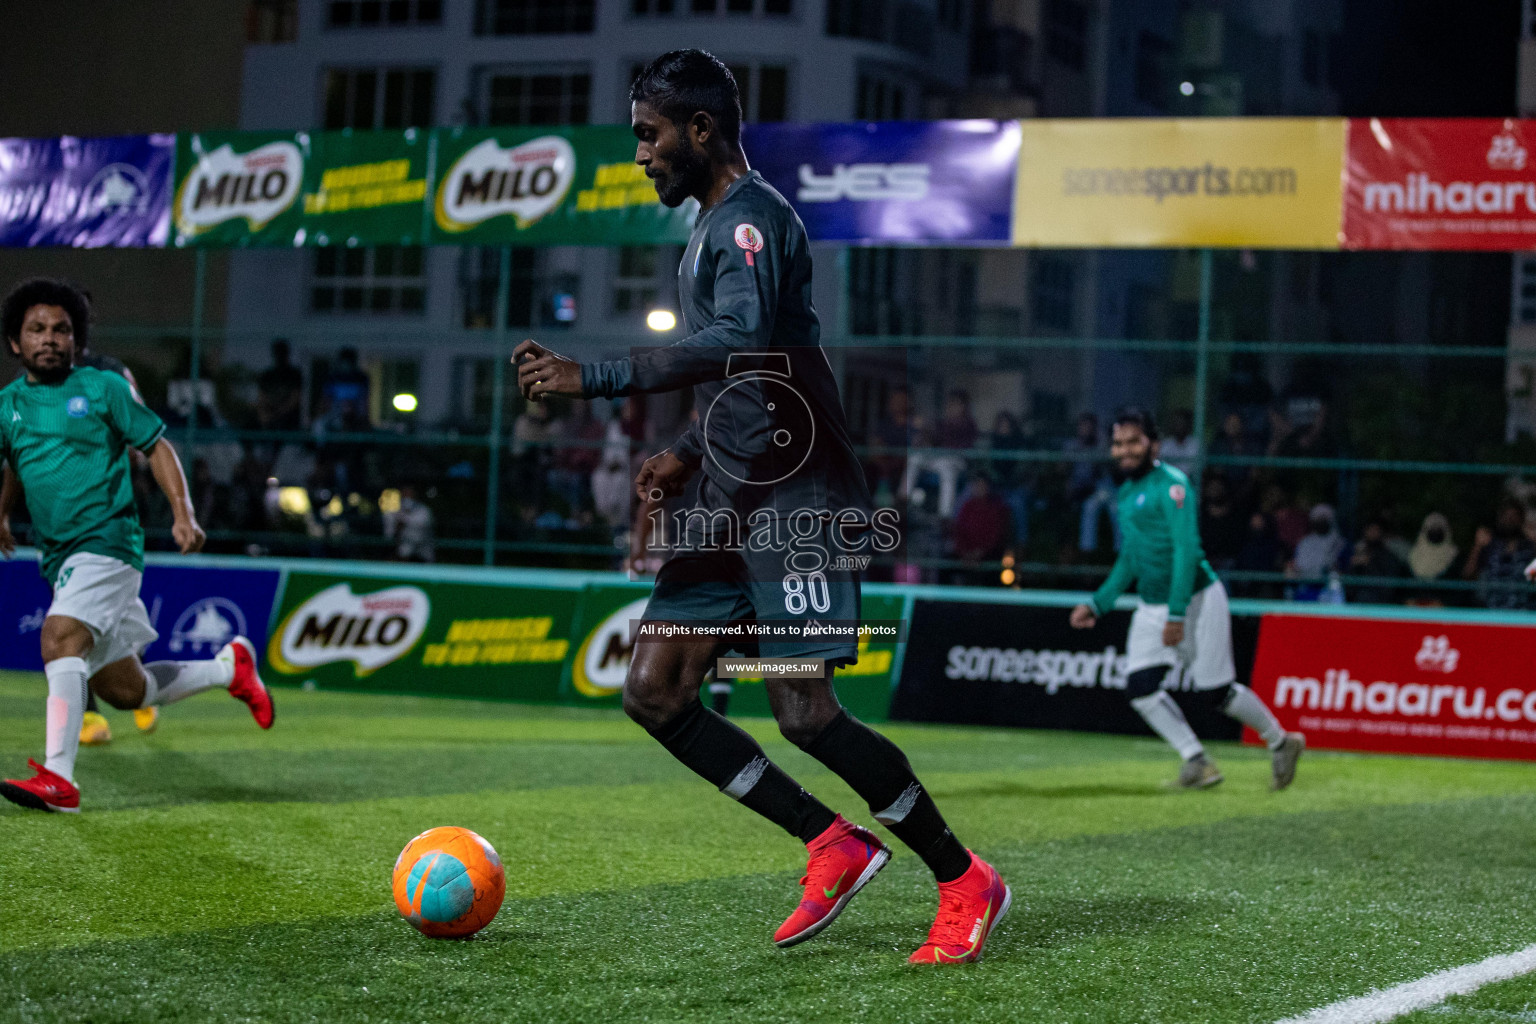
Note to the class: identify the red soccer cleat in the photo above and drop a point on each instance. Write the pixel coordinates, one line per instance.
(45, 791)
(247, 685)
(843, 859)
(969, 908)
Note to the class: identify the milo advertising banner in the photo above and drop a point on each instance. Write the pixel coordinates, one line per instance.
(301, 188)
(603, 648)
(420, 637)
(548, 186)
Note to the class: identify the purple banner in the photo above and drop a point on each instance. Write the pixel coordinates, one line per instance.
(86, 192)
(947, 182)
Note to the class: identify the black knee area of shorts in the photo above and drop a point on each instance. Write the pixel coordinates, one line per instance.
(1216, 699)
(1144, 682)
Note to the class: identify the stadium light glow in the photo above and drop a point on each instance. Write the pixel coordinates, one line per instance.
(405, 402)
(661, 320)
(1187, 88)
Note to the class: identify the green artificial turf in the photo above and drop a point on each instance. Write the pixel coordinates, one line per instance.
(222, 873)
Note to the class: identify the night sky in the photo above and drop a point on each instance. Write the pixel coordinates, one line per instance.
(1427, 58)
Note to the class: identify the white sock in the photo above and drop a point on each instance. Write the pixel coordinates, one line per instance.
(171, 681)
(1165, 718)
(66, 707)
(1245, 706)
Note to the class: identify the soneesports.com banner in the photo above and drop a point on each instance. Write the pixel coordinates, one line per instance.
(1195, 182)
(1405, 687)
(947, 182)
(596, 670)
(1024, 665)
(301, 188)
(548, 186)
(86, 193)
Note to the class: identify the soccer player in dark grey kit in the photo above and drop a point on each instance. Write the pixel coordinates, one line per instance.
(775, 457)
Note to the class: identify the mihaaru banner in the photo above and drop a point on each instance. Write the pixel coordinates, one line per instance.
(301, 188)
(549, 186)
(1197, 182)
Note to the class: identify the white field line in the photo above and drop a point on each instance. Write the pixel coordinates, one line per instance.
(1387, 1003)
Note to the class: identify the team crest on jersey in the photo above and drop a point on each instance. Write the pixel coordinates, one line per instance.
(78, 406)
(1176, 492)
(750, 239)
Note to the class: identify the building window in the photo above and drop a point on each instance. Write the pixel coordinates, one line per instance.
(664, 8)
(534, 17)
(880, 98)
(1053, 285)
(376, 13)
(378, 280)
(480, 269)
(643, 279)
(1154, 56)
(545, 97)
(856, 19)
(913, 29)
(1312, 57)
(1066, 32)
(272, 21)
(373, 98)
(764, 90)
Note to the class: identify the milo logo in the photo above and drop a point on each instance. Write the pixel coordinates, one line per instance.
(602, 662)
(225, 185)
(369, 630)
(525, 182)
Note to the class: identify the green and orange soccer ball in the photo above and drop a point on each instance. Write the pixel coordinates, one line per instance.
(449, 882)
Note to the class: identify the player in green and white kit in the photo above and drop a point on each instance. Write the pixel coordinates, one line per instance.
(1183, 617)
(65, 432)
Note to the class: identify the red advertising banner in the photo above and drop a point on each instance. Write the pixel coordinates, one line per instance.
(1429, 183)
(1436, 688)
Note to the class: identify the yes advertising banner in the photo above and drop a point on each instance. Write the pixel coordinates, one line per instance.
(419, 637)
(86, 193)
(1132, 183)
(1024, 665)
(548, 186)
(195, 609)
(1406, 687)
(301, 188)
(603, 649)
(1440, 184)
(949, 182)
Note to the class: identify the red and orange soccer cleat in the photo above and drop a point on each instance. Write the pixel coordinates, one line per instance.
(843, 859)
(45, 791)
(969, 908)
(247, 685)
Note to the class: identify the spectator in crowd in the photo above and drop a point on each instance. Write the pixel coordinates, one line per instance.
(1234, 441)
(1288, 515)
(1434, 552)
(1372, 557)
(1090, 486)
(280, 392)
(926, 469)
(574, 463)
(533, 432)
(1222, 528)
(1498, 559)
(1318, 553)
(1262, 551)
(1179, 447)
(1011, 475)
(957, 427)
(412, 528)
(980, 529)
(1247, 393)
(893, 431)
(344, 395)
(1300, 420)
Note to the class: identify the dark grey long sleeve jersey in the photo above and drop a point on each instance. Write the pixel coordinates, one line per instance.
(771, 432)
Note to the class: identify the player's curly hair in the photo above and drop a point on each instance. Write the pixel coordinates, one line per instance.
(46, 291)
(680, 83)
(1134, 415)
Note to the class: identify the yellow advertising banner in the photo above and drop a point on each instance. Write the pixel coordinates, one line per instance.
(1271, 183)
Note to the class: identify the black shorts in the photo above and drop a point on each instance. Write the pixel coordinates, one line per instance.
(765, 586)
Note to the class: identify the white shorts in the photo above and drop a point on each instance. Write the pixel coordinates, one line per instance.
(1205, 654)
(103, 593)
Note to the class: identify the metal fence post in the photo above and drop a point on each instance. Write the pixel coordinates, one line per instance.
(195, 371)
(498, 379)
(1202, 368)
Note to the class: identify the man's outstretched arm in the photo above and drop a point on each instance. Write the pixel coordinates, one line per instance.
(166, 467)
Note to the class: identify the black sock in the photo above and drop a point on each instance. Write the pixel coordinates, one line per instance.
(720, 698)
(90, 701)
(879, 772)
(737, 766)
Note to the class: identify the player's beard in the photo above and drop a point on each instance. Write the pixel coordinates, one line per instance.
(50, 374)
(690, 171)
(1136, 472)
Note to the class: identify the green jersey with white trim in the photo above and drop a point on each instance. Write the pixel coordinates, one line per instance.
(1159, 543)
(68, 443)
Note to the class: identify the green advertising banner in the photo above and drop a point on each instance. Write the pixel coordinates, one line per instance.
(601, 636)
(301, 188)
(548, 186)
(418, 637)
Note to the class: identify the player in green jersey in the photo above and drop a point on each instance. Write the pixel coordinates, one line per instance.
(65, 432)
(1183, 618)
